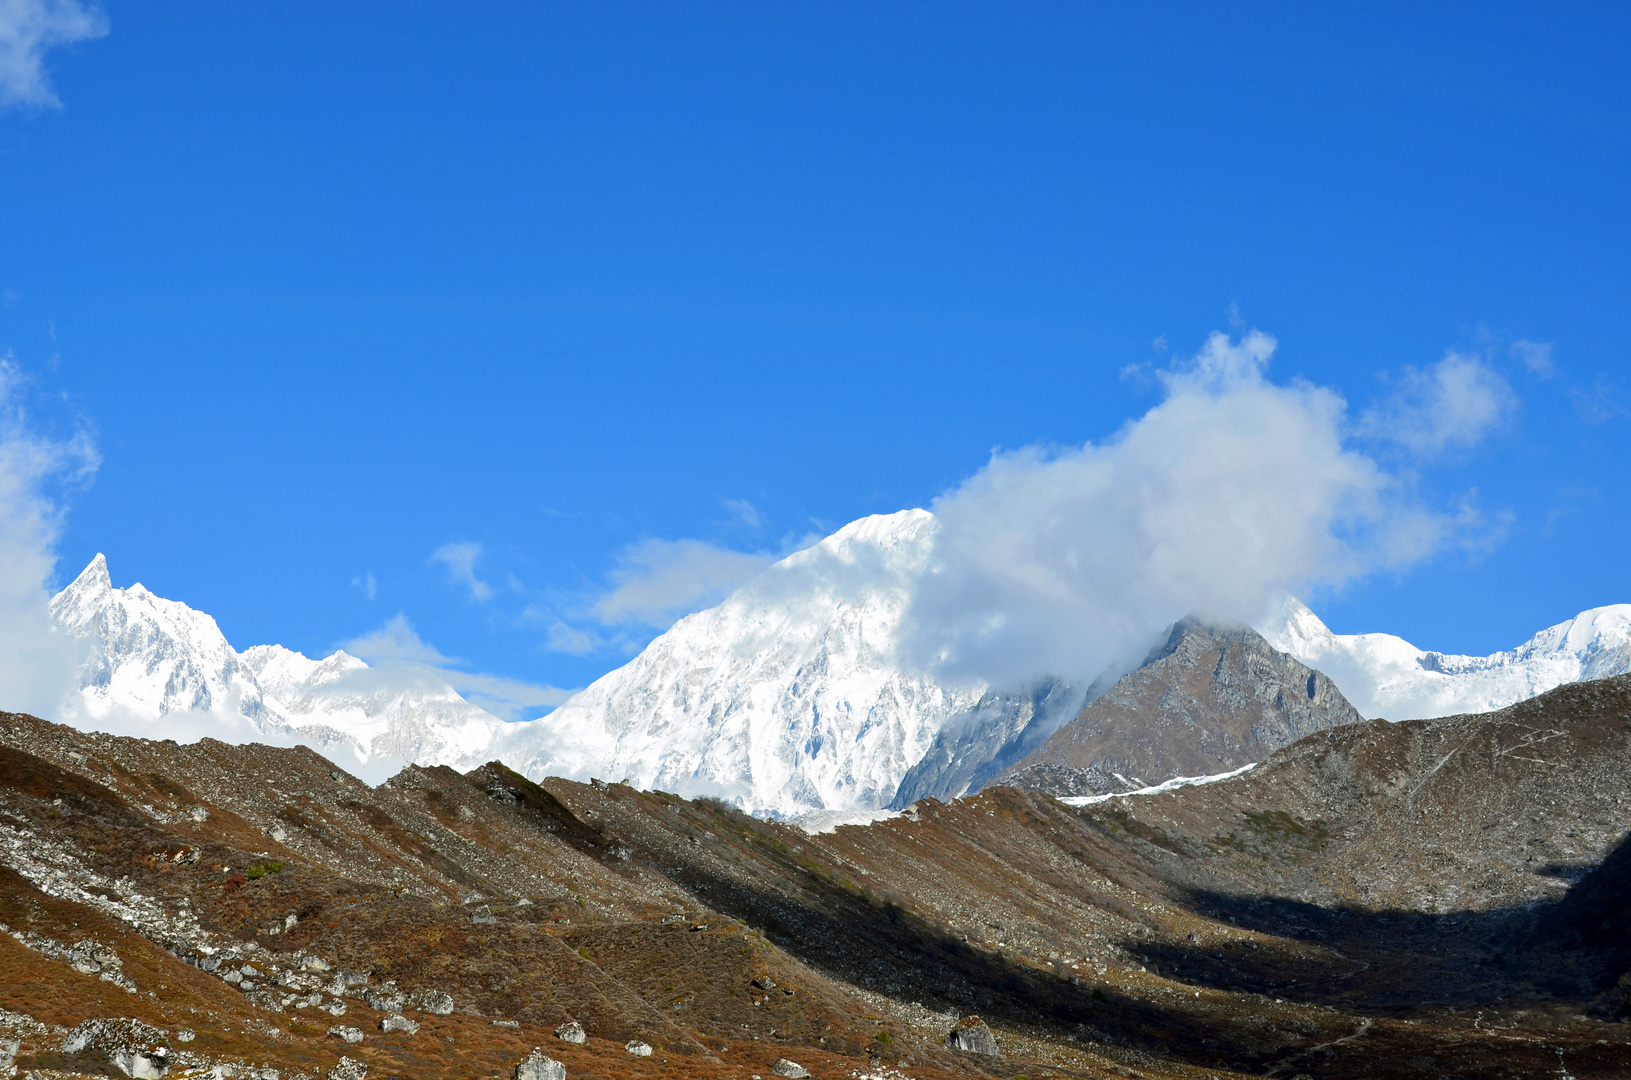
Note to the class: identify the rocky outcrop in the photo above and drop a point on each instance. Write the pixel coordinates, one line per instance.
(790, 1069)
(538, 1066)
(572, 1032)
(1208, 700)
(973, 1036)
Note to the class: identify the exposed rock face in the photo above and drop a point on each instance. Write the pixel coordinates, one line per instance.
(1208, 700)
(398, 1022)
(537, 1066)
(638, 1048)
(977, 744)
(973, 1036)
(572, 1032)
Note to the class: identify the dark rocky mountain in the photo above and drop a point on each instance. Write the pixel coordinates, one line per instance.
(1434, 898)
(1207, 700)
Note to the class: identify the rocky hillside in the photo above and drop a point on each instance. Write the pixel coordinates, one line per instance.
(1376, 900)
(1207, 700)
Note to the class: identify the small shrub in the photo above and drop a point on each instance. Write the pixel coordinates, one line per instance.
(884, 1037)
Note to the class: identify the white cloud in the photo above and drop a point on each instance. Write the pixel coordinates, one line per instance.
(397, 644)
(658, 581)
(1068, 560)
(368, 585)
(38, 665)
(28, 30)
(1535, 355)
(1450, 405)
(460, 559)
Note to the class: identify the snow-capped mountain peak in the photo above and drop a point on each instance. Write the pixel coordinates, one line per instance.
(148, 659)
(784, 698)
(1384, 675)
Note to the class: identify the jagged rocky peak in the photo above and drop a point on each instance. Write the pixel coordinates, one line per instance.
(1209, 698)
(148, 658)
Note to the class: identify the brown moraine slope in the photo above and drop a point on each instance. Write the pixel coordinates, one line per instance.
(1441, 898)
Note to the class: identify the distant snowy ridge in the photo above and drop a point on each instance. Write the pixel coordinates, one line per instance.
(147, 659)
(1386, 676)
(786, 699)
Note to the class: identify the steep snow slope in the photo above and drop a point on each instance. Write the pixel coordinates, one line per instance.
(785, 698)
(1383, 675)
(148, 659)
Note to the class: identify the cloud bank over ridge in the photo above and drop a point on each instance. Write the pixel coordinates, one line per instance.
(1066, 561)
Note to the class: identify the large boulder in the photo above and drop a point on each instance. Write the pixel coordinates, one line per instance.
(572, 1032)
(398, 1022)
(537, 1066)
(972, 1036)
(348, 1069)
(638, 1048)
(436, 1002)
(790, 1069)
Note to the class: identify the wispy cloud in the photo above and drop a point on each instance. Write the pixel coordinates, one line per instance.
(28, 30)
(1602, 401)
(36, 474)
(1536, 356)
(658, 581)
(398, 644)
(460, 559)
(745, 514)
(1448, 406)
(368, 585)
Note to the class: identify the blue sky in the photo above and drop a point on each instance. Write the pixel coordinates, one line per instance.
(535, 324)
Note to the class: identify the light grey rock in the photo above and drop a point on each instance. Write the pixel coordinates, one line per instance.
(398, 1022)
(972, 1036)
(537, 1066)
(186, 1035)
(8, 1055)
(348, 1069)
(142, 1065)
(572, 1032)
(387, 998)
(349, 1034)
(790, 1069)
(637, 1048)
(436, 1002)
(334, 1008)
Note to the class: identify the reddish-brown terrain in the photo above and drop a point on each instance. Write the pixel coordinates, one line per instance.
(1437, 898)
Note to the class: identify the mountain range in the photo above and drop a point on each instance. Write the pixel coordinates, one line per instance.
(787, 697)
